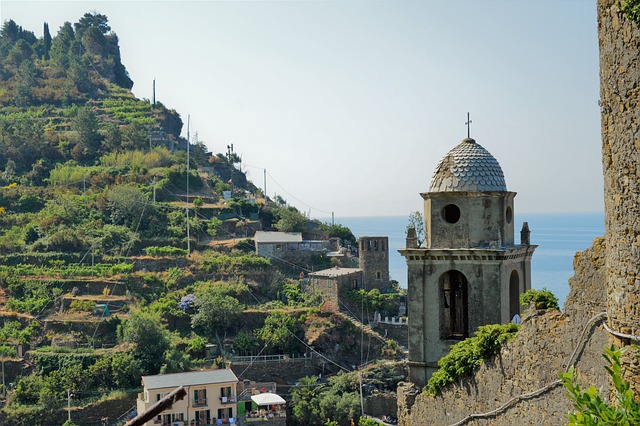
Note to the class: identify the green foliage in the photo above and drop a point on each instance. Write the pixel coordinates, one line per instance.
(157, 251)
(590, 406)
(78, 305)
(542, 299)
(13, 332)
(632, 9)
(31, 296)
(218, 262)
(290, 220)
(279, 332)
(335, 403)
(339, 231)
(368, 422)
(416, 221)
(216, 313)
(373, 299)
(147, 331)
(294, 296)
(245, 344)
(467, 355)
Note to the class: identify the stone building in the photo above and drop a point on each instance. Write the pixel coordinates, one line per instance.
(374, 262)
(470, 272)
(372, 271)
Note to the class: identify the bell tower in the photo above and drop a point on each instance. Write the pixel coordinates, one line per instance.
(470, 272)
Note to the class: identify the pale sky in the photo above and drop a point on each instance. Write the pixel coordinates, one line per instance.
(349, 105)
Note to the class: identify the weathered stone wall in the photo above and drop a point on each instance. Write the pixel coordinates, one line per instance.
(534, 359)
(620, 101)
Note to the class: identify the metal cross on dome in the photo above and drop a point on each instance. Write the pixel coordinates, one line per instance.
(468, 123)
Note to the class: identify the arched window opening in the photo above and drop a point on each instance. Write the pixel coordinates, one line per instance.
(454, 322)
(514, 294)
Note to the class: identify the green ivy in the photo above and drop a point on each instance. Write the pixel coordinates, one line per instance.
(468, 354)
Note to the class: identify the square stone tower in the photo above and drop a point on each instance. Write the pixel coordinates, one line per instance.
(374, 262)
(470, 272)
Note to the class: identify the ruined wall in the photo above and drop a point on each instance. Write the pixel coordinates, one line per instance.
(534, 359)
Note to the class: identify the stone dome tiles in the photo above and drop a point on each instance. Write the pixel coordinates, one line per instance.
(468, 168)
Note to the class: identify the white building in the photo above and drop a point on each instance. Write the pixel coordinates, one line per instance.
(210, 399)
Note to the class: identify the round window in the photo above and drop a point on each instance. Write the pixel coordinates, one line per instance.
(509, 214)
(451, 213)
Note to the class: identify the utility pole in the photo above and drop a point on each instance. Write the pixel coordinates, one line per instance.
(333, 222)
(69, 395)
(188, 143)
(265, 184)
(154, 190)
(154, 92)
(229, 158)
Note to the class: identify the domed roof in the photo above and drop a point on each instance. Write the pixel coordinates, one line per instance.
(470, 168)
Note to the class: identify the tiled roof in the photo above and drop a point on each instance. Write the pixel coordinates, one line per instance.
(277, 237)
(334, 272)
(190, 378)
(468, 167)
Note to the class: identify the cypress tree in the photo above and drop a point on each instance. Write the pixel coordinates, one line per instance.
(47, 41)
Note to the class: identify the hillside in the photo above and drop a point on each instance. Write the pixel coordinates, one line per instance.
(109, 269)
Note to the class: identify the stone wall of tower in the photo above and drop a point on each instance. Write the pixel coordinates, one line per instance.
(620, 102)
(374, 261)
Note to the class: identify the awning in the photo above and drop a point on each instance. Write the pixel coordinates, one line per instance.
(267, 399)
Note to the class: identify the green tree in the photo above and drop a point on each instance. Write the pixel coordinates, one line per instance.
(290, 220)
(61, 44)
(86, 125)
(147, 332)
(216, 313)
(126, 205)
(279, 332)
(25, 82)
(46, 38)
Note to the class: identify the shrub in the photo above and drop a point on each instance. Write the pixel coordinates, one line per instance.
(592, 409)
(158, 251)
(82, 306)
(542, 299)
(467, 355)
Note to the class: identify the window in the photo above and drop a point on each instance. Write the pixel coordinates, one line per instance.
(378, 275)
(203, 417)
(509, 214)
(451, 213)
(200, 397)
(225, 413)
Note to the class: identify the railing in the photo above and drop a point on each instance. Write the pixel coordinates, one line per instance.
(228, 399)
(260, 358)
(199, 402)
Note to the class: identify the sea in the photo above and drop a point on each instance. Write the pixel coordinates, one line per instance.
(558, 236)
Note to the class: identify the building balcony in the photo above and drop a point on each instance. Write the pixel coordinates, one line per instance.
(228, 399)
(200, 402)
